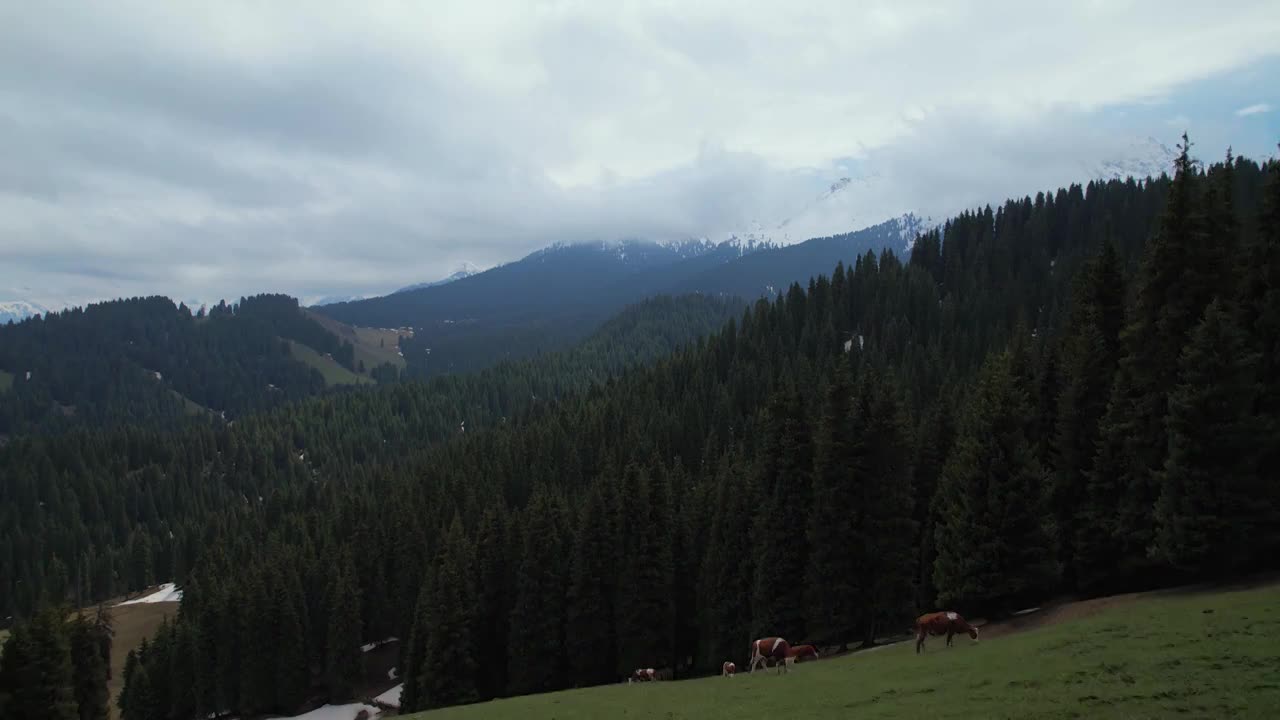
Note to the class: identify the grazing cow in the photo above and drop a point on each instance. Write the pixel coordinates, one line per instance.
(942, 623)
(801, 652)
(643, 675)
(770, 648)
(728, 669)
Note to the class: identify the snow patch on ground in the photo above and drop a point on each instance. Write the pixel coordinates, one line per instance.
(391, 697)
(168, 592)
(369, 646)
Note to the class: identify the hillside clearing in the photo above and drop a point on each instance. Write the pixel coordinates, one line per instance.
(1208, 655)
(131, 622)
(6, 380)
(334, 374)
(373, 346)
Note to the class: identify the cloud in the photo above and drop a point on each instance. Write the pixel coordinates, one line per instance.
(1253, 109)
(237, 147)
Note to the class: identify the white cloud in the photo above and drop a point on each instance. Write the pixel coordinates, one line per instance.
(1253, 109)
(240, 147)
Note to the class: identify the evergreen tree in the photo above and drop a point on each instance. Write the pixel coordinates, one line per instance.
(36, 670)
(590, 634)
(728, 567)
(537, 615)
(838, 549)
(493, 605)
(413, 654)
(344, 660)
(1213, 515)
(782, 549)
(645, 602)
(89, 668)
(1089, 353)
(994, 548)
(448, 670)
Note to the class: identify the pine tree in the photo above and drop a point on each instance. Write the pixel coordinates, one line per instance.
(493, 604)
(36, 670)
(413, 695)
(994, 549)
(89, 669)
(782, 549)
(1209, 515)
(1089, 354)
(836, 531)
(888, 525)
(728, 567)
(292, 676)
(537, 615)
(590, 636)
(448, 670)
(344, 661)
(645, 603)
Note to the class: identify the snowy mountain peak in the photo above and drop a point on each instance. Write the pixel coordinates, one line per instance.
(1139, 159)
(465, 270)
(19, 310)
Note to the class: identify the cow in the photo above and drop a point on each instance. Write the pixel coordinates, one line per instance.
(770, 648)
(643, 675)
(801, 652)
(728, 669)
(942, 623)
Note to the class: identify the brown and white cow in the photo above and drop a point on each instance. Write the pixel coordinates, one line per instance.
(728, 669)
(802, 652)
(643, 675)
(942, 623)
(770, 648)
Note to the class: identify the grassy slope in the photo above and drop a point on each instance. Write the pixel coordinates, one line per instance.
(6, 380)
(1207, 655)
(132, 623)
(334, 374)
(373, 346)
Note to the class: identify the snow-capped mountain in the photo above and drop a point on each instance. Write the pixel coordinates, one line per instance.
(1140, 159)
(465, 270)
(19, 310)
(332, 299)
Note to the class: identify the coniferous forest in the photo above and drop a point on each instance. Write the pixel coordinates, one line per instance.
(1074, 392)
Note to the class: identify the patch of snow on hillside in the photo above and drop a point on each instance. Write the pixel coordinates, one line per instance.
(369, 646)
(391, 697)
(168, 592)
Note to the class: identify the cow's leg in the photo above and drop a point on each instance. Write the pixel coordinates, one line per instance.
(919, 640)
(950, 634)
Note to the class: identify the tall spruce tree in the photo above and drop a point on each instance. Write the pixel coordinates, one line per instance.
(645, 603)
(1089, 355)
(781, 545)
(537, 615)
(836, 531)
(728, 566)
(36, 669)
(344, 661)
(493, 602)
(888, 528)
(90, 667)
(994, 546)
(1212, 506)
(448, 671)
(590, 635)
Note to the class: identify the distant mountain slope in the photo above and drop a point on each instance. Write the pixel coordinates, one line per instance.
(19, 310)
(146, 358)
(465, 270)
(555, 296)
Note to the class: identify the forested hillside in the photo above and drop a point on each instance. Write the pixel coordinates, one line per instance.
(147, 359)
(554, 297)
(97, 511)
(1075, 391)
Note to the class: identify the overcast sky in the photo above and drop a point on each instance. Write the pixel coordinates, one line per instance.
(219, 149)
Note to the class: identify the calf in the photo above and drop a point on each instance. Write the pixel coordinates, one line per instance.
(770, 648)
(942, 623)
(728, 669)
(801, 652)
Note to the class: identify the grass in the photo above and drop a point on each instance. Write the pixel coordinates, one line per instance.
(6, 380)
(1198, 655)
(372, 346)
(334, 374)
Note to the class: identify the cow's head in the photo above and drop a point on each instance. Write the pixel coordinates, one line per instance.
(973, 632)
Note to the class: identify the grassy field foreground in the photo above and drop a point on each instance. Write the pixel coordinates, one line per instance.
(1193, 655)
